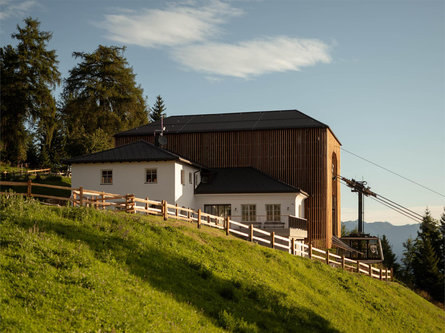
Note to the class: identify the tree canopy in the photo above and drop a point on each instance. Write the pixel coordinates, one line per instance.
(100, 98)
(422, 259)
(29, 74)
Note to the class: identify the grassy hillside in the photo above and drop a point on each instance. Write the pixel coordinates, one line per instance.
(76, 269)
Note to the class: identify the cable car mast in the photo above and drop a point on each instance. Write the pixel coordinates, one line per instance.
(361, 189)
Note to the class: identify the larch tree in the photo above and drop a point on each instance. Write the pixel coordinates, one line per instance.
(100, 98)
(158, 110)
(29, 74)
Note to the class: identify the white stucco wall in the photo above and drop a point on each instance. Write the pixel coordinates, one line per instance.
(129, 177)
(184, 193)
(290, 203)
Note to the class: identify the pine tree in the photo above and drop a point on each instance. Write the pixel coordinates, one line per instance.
(158, 109)
(442, 243)
(28, 76)
(407, 273)
(100, 93)
(422, 259)
(390, 259)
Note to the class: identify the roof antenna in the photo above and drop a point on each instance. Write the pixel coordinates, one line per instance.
(161, 139)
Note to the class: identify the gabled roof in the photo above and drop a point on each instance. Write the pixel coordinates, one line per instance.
(225, 122)
(242, 180)
(140, 151)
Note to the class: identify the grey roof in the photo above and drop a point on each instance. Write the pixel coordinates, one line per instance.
(224, 122)
(139, 151)
(242, 180)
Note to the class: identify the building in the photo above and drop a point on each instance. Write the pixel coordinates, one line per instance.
(286, 145)
(146, 170)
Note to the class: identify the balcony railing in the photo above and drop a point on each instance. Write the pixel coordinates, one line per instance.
(297, 223)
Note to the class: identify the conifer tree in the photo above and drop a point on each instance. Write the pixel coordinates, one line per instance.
(158, 109)
(29, 75)
(100, 97)
(422, 259)
(389, 258)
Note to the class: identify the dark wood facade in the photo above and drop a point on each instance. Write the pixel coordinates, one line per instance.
(306, 158)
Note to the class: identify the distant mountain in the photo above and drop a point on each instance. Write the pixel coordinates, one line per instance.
(396, 234)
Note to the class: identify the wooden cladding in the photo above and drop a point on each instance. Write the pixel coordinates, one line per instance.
(300, 157)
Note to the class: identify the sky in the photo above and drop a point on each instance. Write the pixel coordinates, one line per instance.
(373, 71)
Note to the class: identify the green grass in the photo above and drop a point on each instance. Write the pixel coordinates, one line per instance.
(76, 269)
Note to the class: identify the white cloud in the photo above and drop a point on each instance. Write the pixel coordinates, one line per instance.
(256, 57)
(10, 8)
(178, 24)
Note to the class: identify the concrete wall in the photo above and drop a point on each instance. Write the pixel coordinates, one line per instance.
(290, 203)
(129, 177)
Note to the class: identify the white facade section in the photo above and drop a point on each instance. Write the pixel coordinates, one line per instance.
(130, 178)
(290, 204)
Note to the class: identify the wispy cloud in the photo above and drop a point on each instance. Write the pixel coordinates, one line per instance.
(190, 31)
(178, 24)
(11, 8)
(256, 57)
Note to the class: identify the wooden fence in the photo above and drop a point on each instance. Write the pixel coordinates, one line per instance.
(130, 204)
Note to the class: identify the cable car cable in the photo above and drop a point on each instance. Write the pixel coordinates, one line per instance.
(395, 173)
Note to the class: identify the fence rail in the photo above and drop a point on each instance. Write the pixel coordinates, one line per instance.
(128, 203)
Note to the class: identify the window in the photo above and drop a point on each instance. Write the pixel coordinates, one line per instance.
(218, 210)
(107, 177)
(248, 213)
(182, 177)
(273, 213)
(190, 178)
(151, 176)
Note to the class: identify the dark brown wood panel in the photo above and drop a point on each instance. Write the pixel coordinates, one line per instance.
(300, 157)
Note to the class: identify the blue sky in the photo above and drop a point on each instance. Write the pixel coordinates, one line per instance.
(374, 71)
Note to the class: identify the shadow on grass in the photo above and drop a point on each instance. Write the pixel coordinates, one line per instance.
(231, 304)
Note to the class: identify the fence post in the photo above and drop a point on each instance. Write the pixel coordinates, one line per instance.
(343, 261)
(251, 232)
(358, 266)
(293, 246)
(327, 256)
(176, 211)
(188, 215)
(146, 204)
(370, 270)
(29, 188)
(392, 274)
(380, 274)
(164, 210)
(102, 197)
(131, 204)
(386, 274)
(273, 238)
(310, 251)
(199, 218)
(80, 196)
(227, 225)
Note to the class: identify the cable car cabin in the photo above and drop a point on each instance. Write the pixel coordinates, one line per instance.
(363, 247)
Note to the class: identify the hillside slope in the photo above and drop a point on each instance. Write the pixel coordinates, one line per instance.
(77, 269)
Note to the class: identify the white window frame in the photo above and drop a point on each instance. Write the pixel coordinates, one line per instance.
(183, 177)
(271, 211)
(151, 174)
(102, 178)
(248, 213)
